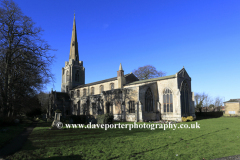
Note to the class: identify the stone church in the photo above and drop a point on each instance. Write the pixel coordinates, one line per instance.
(124, 96)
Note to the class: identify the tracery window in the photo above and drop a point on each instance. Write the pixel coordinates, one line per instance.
(131, 107)
(77, 76)
(78, 93)
(148, 100)
(92, 91)
(168, 100)
(184, 99)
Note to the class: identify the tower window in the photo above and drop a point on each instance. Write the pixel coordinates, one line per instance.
(77, 76)
(78, 93)
(72, 94)
(67, 88)
(68, 77)
(168, 100)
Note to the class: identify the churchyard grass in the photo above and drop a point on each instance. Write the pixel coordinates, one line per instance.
(217, 137)
(7, 133)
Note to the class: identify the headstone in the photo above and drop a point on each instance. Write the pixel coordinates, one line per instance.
(56, 119)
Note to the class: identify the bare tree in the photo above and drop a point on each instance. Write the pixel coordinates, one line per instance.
(207, 101)
(199, 100)
(24, 58)
(218, 103)
(43, 98)
(148, 72)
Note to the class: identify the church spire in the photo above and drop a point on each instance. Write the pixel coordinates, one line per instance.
(120, 67)
(74, 44)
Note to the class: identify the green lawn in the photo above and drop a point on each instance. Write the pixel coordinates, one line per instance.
(218, 137)
(12, 131)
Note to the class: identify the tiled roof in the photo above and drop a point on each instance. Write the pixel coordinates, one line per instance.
(234, 100)
(152, 80)
(102, 81)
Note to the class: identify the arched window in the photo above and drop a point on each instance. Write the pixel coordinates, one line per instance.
(112, 86)
(148, 100)
(84, 92)
(131, 107)
(67, 88)
(168, 100)
(77, 76)
(101, 89)
(78, 93)
(92, 91)
(68, 77)
(72, 94)
(184, 99)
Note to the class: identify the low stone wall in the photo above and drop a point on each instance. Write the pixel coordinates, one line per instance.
(117, 117)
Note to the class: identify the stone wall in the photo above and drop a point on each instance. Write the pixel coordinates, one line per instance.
(232, 106)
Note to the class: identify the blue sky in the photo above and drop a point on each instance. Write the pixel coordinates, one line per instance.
(201, 35)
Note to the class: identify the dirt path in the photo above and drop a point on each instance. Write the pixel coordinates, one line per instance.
(16, 143)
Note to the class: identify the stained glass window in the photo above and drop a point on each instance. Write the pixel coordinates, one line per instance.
(168, 100)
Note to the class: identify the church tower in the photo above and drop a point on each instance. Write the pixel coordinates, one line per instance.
(73, 74)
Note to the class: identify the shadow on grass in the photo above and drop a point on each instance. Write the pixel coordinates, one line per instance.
(63, 157)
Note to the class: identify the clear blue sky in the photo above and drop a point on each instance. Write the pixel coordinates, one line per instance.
(201, 35)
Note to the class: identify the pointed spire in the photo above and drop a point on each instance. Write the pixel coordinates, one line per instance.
(74, 44)
(120, 67)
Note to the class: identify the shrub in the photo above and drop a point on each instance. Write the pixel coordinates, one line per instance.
(190, 118)
(184, 119)
(105, 119)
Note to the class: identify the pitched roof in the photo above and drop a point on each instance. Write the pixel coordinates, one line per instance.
(233, 100)
(102, 81)
(152, 80)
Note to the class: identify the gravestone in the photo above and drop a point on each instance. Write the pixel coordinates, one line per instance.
(56, 119)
